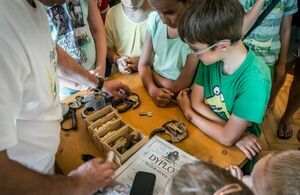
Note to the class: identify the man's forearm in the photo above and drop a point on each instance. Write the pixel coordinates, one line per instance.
(17, 179)
(69, 69)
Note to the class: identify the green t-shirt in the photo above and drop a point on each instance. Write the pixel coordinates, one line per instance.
(170, 54)
(264, 40)
(245, 93)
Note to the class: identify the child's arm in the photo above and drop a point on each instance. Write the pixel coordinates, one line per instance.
(185, 78)
(161, 96)
(252, 15)
(197, 98)
(285, 33)
(125, 64)
(248, 143)
(227, 134)
(98, 32)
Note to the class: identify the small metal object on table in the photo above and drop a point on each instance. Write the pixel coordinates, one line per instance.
(149, 114)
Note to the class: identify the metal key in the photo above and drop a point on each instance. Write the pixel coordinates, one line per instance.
(149, 114)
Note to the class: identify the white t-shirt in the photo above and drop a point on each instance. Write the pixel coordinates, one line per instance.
(30, 111)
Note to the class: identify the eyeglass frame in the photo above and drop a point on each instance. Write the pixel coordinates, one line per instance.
(198, 53)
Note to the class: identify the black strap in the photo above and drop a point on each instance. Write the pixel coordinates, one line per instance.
(262, 16)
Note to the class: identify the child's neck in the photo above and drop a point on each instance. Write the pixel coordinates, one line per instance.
(234, 57)
(137, 14)
(172, 32)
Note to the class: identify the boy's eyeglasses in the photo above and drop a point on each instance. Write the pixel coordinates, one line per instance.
(198, 53)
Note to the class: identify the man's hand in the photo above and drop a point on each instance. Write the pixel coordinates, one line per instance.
(184, 103)
(161, 96)
(116, 88)
(249, 145)
(99, 71)
(93, 175)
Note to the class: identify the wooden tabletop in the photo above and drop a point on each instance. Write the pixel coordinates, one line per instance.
(75, 143)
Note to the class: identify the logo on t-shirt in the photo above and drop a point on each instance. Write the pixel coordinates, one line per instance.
(217, 103)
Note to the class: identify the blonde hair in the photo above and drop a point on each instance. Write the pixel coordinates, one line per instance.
(202, 178)
(282, 173)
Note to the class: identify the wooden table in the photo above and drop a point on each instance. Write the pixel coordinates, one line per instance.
(75, 143)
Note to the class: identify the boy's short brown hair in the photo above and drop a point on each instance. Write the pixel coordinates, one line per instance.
(282, 173)
(210, 21)
(203, 178)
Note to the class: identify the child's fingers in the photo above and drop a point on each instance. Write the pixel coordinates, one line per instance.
(165, 95)
(187, 90)
(179, 95)
(238, 171)
(252, 151)
(232, 171)
(130, 60)
(168, 91)
(256, 148)
(163, 100)
(246, 152)
(259, 146)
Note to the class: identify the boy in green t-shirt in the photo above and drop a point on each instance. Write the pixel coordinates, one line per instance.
(232, 86)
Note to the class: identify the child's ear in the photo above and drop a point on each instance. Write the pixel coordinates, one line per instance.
(223, 46)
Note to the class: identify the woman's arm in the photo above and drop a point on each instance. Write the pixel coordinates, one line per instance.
(98, 32)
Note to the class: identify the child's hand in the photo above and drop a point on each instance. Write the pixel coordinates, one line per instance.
(184, 103)
(123, 65)
(132, 63)
(235, 171)
(161, 96)
(249, 145)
